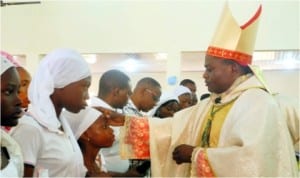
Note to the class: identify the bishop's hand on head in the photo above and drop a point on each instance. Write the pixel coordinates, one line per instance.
(111, 117)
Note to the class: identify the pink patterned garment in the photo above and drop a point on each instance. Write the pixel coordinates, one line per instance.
(10, 58)
(203, 168)
(138, 137)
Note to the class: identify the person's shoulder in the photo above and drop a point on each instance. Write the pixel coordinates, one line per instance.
(28, 132)
(27, 119)
(256, 91)
(287, 101)
(257, 97)
(94, 100)
(27, 124)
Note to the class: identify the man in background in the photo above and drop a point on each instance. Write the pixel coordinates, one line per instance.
(145, 96)
(192, 86)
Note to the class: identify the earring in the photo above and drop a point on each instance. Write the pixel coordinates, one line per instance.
(86, 138)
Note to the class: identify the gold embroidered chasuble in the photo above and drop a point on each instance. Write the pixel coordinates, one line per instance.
(216, 115)
(245, 142)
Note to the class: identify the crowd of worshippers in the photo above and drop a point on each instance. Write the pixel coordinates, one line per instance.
(97, 137)
(92, 134)
(51, 127)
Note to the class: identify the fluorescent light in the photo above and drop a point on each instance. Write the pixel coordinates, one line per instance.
(130, 65)
(263, 56)
(161, 56)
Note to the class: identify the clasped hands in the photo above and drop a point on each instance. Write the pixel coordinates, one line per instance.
(183, 153)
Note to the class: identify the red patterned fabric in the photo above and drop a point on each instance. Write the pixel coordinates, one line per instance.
(241, 58)
(203, 168)
(138, 137)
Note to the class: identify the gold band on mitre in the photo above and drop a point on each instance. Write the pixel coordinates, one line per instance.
(232, 41)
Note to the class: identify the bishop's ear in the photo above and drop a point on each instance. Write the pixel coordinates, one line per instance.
(235, 67)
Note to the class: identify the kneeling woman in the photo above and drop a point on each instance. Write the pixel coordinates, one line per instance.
(92, 134)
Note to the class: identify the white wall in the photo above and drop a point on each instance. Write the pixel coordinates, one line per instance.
(139, 26)
(172, 26)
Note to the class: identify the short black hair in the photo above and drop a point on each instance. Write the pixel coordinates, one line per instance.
(187, 81)
(243, 69)
(148, 81)
(112, 79)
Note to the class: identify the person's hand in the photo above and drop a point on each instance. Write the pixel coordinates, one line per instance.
(111, 117)
(132, 172)
(183, 153)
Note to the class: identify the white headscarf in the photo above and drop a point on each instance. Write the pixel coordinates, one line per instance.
(165, 97)
(179, 90)
(58, 69)
(80, 122)
(5, 63)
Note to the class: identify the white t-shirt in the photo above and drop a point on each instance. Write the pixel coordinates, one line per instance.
(48, 151)
(110, 157)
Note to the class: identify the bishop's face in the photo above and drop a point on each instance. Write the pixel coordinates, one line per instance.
(219, 76)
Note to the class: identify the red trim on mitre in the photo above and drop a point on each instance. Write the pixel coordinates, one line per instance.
(241, 58)
(255, 17)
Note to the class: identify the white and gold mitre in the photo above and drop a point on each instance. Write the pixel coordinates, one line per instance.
(232, 41)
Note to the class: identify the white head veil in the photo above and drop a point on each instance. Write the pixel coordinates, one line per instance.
(164, 98)
(81, 121)
(5, 63)
(58, 69)
(179, 90)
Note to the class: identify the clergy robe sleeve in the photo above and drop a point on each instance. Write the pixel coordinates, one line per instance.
(134, 138)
